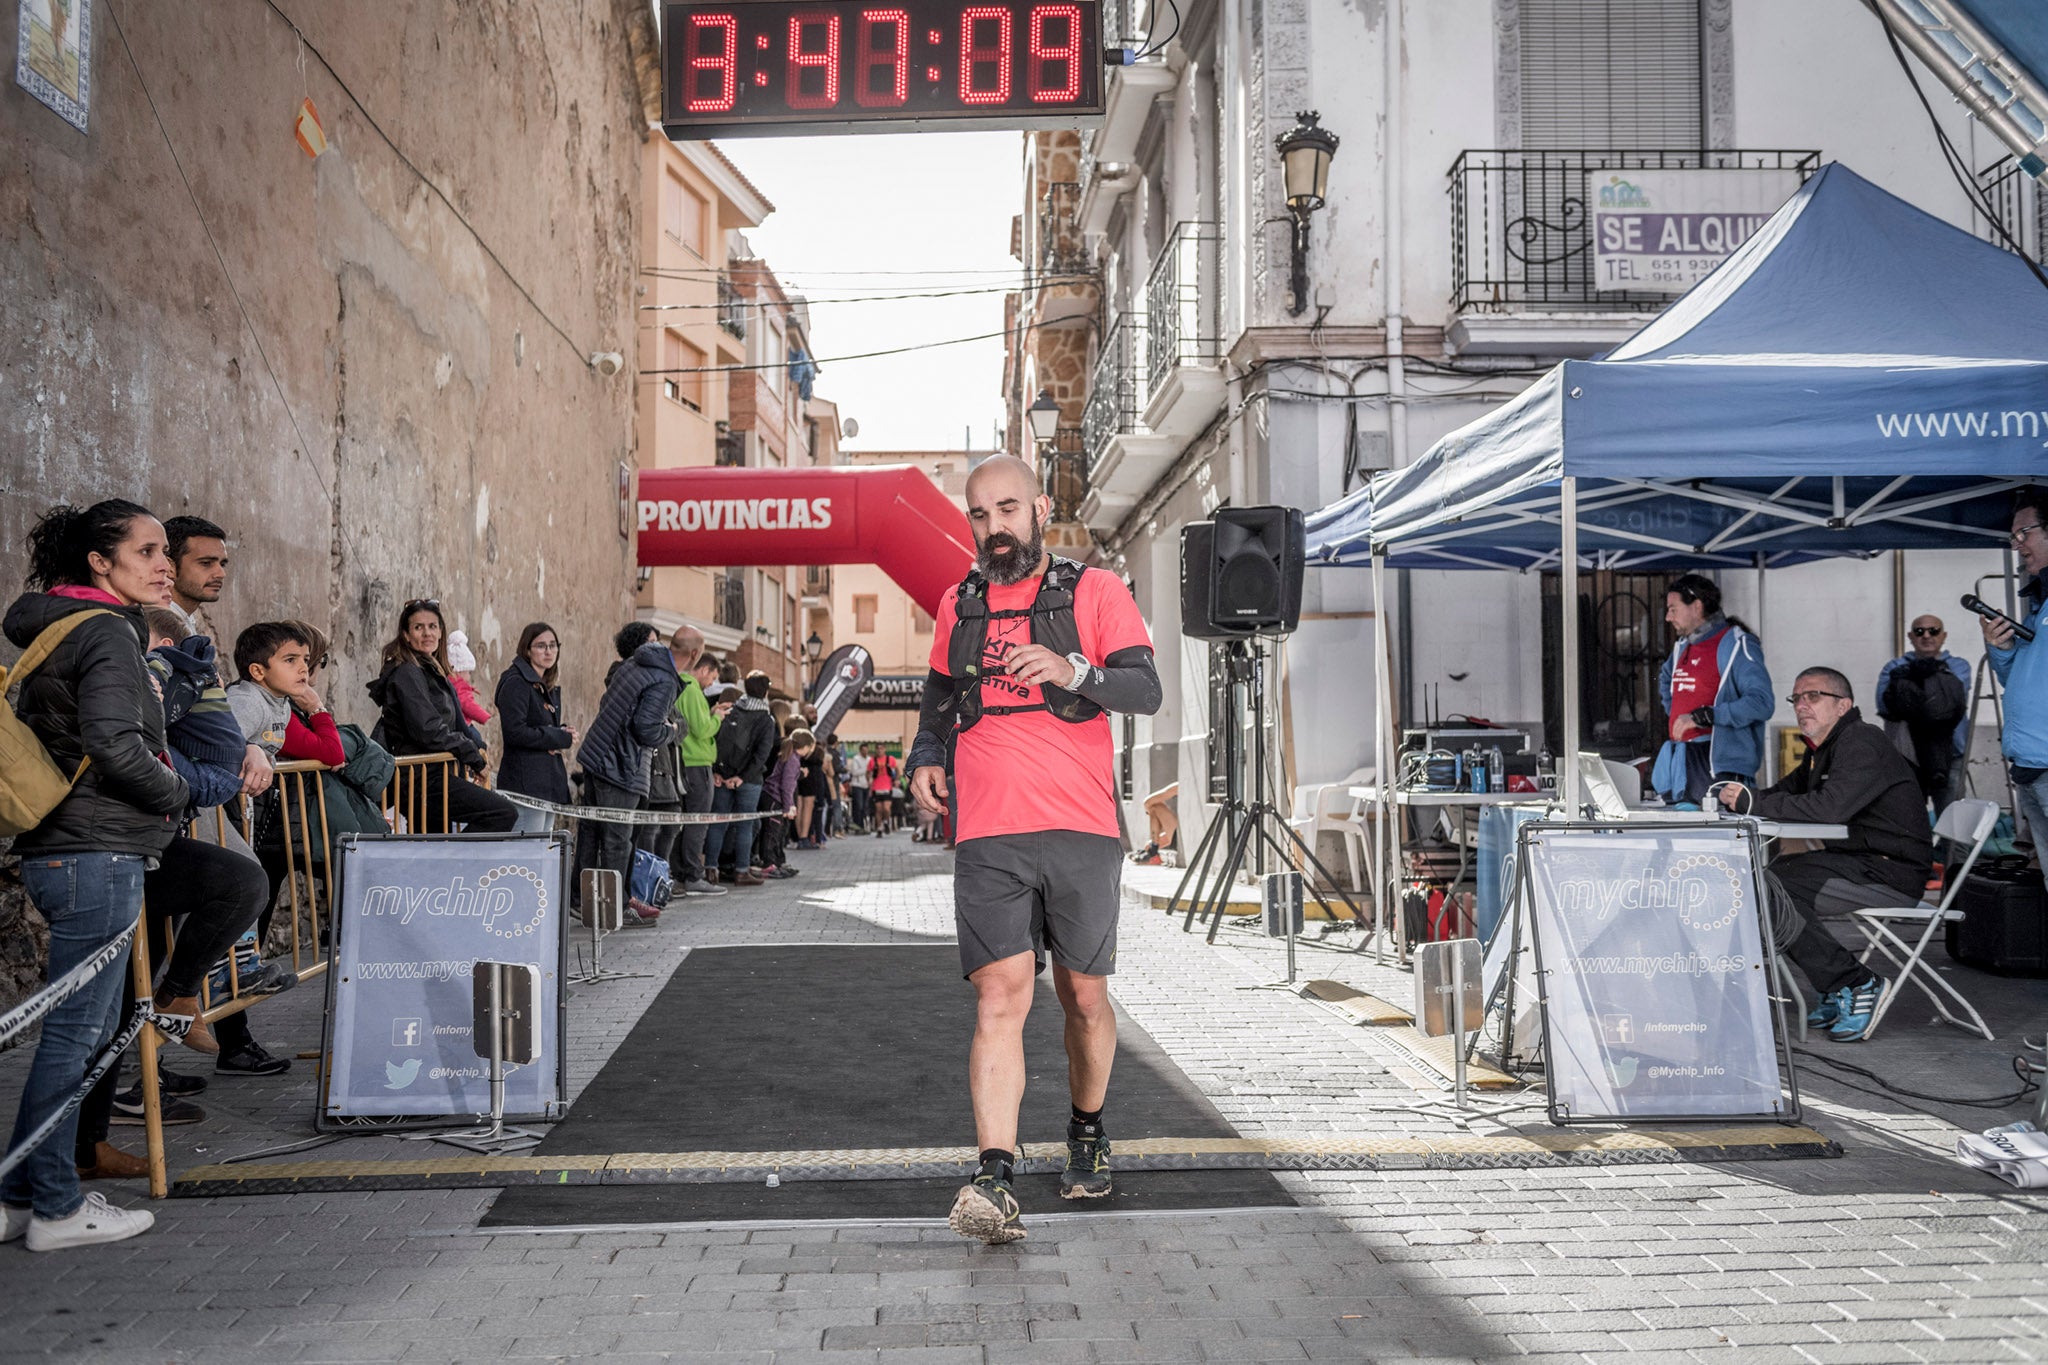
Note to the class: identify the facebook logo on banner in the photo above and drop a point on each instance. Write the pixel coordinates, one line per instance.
(407, 1032)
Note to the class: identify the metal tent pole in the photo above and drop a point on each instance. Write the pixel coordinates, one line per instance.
(1568, 574)
(1387, 875)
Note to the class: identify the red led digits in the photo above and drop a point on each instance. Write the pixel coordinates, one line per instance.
(975, 56)
(704, 53)
(882, 71)
(1065, 55)
(812, 27)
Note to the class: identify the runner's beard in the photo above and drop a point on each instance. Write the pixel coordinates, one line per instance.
(1015, 566)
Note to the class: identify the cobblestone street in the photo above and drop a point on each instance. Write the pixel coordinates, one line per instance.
(1892, 1253)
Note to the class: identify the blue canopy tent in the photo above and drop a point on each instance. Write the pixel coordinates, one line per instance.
(1858, 376)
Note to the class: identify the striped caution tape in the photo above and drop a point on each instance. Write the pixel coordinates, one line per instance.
(62, 989)
(139, 1016)
(614, 815)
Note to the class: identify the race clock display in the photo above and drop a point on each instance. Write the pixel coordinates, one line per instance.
(813, 66)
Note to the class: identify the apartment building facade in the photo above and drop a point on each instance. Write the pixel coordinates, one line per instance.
(1449, 266)
(726, 377)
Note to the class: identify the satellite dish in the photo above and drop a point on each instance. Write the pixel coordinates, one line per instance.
(849, 429)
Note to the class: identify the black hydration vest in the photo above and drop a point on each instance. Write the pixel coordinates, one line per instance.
(1052, 625)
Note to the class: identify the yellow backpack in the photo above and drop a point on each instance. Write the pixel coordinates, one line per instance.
(31, 783)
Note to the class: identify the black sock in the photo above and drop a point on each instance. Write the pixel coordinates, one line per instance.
(998, 1161)
(1087, 1118)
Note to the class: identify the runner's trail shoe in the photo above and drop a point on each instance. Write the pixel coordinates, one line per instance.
(1087, 1172)
(987, 1211)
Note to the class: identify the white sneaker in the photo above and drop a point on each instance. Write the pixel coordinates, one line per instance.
(13, 1222)
(95, 1221)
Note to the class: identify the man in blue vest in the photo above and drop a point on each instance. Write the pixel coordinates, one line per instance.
(1028, 655)
(1923, 696)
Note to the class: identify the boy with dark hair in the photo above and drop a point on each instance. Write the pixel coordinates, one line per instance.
(274, 666)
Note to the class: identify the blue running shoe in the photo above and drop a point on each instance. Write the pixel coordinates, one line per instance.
(1829, 1009)
(1858, 1007)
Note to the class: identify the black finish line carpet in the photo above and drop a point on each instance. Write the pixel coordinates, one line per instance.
(778, 1049)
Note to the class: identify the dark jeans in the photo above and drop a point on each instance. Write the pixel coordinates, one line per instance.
(774, 839)
(87, 899)
(218, 892)
(1833, 883)
(737, 837)
(690, 842)
(479, 810)
(857, 806)
(606, 844)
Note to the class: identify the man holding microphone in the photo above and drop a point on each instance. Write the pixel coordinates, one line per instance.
(1029, 653)
(2022, 668)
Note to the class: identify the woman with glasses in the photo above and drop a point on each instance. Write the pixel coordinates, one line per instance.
(530, 717)
(422, 715)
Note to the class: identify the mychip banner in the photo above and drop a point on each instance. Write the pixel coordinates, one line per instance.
(1654, 972)
(413, 914)
(1662, 232)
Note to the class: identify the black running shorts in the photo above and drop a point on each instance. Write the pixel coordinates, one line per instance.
(1050, 891)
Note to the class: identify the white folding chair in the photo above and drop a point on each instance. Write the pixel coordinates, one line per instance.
(1965, 822)
(1331, 806)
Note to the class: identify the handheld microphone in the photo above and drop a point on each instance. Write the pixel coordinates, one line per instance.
(1991, 613)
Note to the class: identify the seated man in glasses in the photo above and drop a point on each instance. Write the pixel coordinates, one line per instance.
(1923, 697)
(1851, 776)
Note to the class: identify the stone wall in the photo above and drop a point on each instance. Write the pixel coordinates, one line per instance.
(371, 367)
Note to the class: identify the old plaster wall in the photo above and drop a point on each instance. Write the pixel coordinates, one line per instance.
(371, 366)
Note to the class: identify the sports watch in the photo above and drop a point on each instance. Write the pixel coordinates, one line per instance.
(1082, 668)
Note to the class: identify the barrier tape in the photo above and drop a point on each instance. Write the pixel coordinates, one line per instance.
(140, 1016)
(613, 815)
(62, 989)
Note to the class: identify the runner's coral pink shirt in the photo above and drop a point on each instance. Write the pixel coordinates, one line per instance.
(1023, 773)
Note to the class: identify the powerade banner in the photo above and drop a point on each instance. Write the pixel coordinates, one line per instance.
(839, 683)
(414, 913)
(1651, 961)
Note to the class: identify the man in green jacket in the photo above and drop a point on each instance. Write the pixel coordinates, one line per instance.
(699, 721)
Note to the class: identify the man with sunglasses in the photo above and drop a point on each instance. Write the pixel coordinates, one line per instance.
(1851, 776)
(1923, 696)
(2022, 667)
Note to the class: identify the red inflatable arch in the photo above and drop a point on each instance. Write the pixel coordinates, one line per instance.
(891, 516)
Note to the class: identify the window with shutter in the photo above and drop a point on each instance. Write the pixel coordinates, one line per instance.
(1611, 74)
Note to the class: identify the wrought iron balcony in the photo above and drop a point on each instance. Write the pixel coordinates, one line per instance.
(732, 308)
(729, 601)
(1064, 467)
(817, 580)
(1522, 230)
(1180, 302)
(2021, 203)
(1117, 390)
(1061, 250)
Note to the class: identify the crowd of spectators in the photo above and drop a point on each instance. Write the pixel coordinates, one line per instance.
(172, 743)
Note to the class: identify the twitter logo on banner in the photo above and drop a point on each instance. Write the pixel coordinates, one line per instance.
(398, 1077)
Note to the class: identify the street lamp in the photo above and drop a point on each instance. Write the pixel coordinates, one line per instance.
(813, 647)
(1305, 152)
(1044, 417)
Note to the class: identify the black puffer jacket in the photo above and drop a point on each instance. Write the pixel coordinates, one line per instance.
(92, 699)
(422, 714)
(636, 717)
(1856, 778)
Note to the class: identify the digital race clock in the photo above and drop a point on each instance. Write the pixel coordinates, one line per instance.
(810, 66)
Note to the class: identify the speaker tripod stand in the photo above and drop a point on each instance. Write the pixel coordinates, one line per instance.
(1246, 827)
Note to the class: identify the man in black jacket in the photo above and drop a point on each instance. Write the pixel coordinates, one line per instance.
(746, 746)
(1851, 776)
(635, 718)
